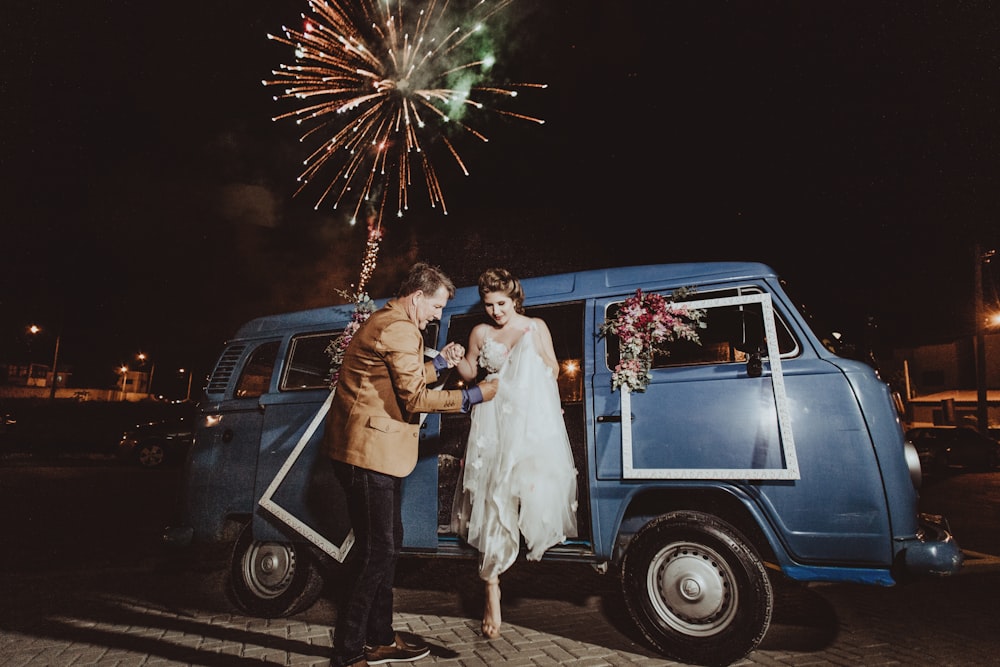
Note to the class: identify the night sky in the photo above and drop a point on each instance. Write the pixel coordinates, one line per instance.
(148, 196)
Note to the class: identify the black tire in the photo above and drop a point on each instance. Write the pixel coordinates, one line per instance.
(696, 589)
(150, 454)
(272, 579)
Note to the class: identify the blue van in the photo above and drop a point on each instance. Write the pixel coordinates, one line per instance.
(756, 448)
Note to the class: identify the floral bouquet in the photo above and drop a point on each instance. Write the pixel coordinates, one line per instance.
(363, 308)
(643, 325)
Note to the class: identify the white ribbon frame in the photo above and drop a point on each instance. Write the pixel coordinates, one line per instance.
(791, 469)
(337, 552)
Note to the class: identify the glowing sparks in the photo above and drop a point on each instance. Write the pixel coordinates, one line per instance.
(387, 81)
(371, 256)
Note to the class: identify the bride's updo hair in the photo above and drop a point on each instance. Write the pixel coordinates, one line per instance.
(500, 280)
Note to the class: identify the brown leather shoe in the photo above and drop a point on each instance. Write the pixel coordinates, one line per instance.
(359, 663)
(398, 651)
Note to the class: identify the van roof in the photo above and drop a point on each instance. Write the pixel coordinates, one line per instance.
(540, 290)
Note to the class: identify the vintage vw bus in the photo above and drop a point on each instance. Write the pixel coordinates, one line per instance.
(757, 447)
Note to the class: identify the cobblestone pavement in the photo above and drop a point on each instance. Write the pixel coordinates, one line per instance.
(85, 581)
(162, 612)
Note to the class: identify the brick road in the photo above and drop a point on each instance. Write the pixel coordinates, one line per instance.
(164, 612)
(88, 583)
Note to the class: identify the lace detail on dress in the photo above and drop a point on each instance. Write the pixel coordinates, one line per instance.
(492, 355)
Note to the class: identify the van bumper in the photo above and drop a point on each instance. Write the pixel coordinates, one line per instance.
(934, 552)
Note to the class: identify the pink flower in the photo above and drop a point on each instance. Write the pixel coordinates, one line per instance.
(363, 308)
(644, 324)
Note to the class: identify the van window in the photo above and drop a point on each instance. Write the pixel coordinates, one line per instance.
(256, 376)
(308, 364)
(731, 331)
(225, 368)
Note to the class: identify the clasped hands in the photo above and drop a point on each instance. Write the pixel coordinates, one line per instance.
(453, 353)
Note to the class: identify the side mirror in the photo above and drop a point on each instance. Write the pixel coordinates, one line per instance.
(755, 355)
(752, 344)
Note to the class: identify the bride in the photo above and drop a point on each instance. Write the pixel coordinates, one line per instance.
(518, 476)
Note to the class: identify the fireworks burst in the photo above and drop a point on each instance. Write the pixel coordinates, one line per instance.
(385, 80)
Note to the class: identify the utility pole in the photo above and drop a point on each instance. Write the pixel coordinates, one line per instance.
(982, 403)
(55, 369)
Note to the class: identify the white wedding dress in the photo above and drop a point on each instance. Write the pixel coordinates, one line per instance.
(518, 476)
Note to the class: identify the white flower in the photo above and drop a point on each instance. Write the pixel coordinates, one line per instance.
(492, 355)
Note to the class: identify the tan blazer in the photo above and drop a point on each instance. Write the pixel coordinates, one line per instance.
(373, 421)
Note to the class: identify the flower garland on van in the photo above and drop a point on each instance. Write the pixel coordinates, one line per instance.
(644, 324)
(363, 308)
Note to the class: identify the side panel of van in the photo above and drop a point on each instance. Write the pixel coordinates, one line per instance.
(296, 490)
(713, 415)
(851, 522)
(228, 451)
(285, 419)
(420, 491)
(299, 497)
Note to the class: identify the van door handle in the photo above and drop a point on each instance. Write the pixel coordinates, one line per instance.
(604, 419)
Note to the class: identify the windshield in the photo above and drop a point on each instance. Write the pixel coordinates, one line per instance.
(844, 341)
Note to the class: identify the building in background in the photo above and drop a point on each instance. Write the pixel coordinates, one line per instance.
(938, 382)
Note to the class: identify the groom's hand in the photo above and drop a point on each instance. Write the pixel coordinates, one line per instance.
(489, 389)
(453, 354)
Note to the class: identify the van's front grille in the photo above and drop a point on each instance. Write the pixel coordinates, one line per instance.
(224, 369)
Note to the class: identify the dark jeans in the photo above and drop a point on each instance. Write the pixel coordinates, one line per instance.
(375, 508)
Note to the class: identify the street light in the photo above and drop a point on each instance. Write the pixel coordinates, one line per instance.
(34, 329)
(190, 377)
(124, 371)
(143, 358)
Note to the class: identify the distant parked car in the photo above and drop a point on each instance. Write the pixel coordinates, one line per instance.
(7, 418)
(7, 421)
(943, 447)
(157, 443)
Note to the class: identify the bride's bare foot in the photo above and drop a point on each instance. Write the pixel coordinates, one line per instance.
(491, 616)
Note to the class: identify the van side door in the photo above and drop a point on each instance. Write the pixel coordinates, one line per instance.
(302, 498)
(706, 419)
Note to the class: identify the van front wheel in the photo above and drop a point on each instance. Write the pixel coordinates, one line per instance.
(696, 589)
(272, 579)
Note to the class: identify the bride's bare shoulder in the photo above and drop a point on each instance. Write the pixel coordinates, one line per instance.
(479, 333)
(539, 323)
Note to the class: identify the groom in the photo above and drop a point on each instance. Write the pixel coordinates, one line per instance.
(371, 435)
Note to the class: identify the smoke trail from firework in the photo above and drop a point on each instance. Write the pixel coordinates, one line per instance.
(376, 83)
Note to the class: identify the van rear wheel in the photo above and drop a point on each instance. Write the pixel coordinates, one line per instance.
(272, 579)
(697, 589)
